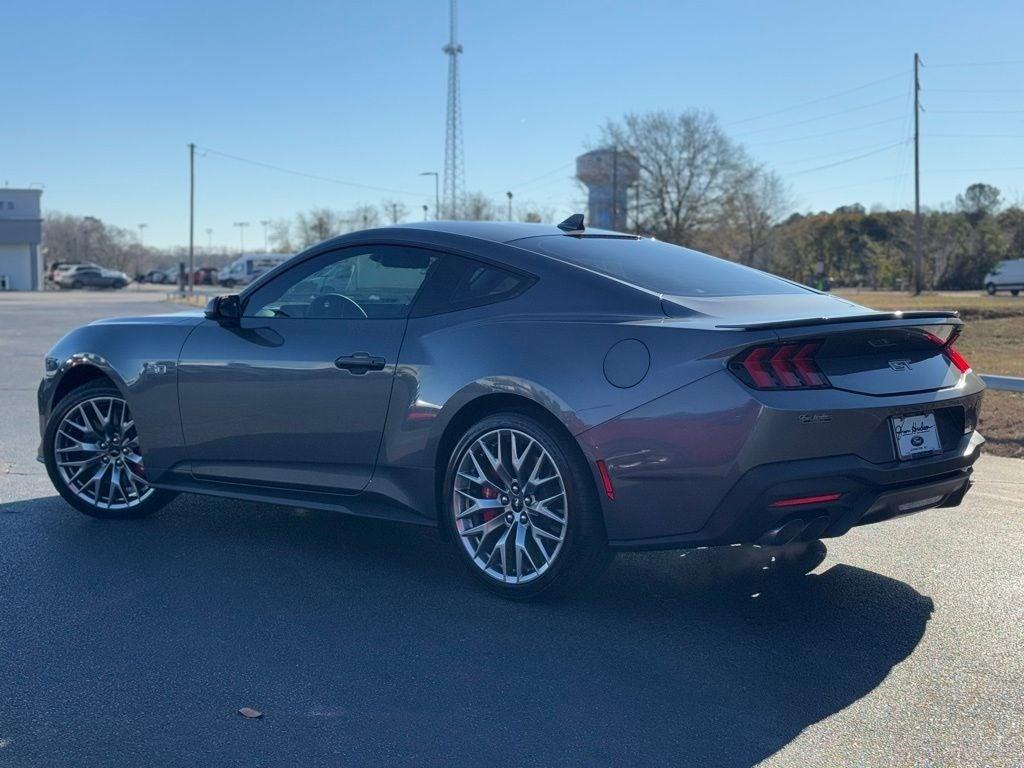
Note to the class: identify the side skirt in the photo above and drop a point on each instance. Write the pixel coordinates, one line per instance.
(361, 505)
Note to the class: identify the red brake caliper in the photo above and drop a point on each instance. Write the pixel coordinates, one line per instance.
(490, 493)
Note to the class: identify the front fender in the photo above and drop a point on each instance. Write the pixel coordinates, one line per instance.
(140, 359)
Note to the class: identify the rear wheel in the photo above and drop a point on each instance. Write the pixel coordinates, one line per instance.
(91, 448)
(522, 510)
(76, 284)
(990, 289)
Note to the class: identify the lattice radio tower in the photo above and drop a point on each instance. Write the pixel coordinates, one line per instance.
(454, 181)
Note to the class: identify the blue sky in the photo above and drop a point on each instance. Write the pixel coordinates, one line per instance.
(99, 99)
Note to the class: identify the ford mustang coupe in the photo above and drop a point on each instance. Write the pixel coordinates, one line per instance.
(543, 395)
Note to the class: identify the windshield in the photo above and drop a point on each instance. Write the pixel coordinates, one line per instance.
(661, 267)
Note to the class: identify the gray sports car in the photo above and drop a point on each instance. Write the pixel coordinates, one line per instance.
(543, 395)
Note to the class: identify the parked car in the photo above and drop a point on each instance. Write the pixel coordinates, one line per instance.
(206, 276)
(1007, 276)
(59, 268)
(160, 276)
(543, 395)
(245, 269)
(91, 276)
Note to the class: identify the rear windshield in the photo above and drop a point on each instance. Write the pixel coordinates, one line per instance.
(661, 267)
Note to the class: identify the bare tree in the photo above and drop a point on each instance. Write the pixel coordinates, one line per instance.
(317, 225)
(280, 236)
(476, 206)
(362, 216)
(394, 210)
(690, 170)
(746, 230)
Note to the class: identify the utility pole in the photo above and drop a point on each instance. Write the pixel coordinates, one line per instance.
(394, 213)
(615, 188)
(437, 192)
(425, 209)
(142, 248)
(917, 175)
(191, 218)
(636, 209)
(265, 223)
(509, 205)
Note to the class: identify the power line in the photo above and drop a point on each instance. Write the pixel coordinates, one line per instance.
(818, 100)
(847, 160)
(843, 153)
(315, 176)
(823, 117)
(827, 133)
(975, 90)
(528, 182)
(976, 112)
(976, 135)
(1011, 62)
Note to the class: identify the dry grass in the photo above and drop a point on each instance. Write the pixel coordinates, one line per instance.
(971, 305)
(1002, 423)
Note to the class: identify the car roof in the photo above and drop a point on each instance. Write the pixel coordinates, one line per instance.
(499, 231)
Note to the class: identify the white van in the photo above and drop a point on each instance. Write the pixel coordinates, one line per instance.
(247, 268)
(1006, 276)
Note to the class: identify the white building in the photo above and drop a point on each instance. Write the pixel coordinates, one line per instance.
(21, 225)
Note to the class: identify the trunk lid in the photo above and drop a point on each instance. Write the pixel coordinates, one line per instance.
(858, 349)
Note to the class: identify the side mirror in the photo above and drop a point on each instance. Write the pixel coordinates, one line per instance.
(224, 308)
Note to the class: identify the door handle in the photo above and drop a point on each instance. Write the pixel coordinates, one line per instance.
(360, 362)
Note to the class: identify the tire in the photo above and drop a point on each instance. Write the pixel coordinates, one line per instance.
(1015, 292)
(79, 404)
(77, 284)
(119, 284)
(553, 557)
(990, 289)
(228, 283)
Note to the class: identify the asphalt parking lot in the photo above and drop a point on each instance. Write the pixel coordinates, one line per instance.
(363, 643)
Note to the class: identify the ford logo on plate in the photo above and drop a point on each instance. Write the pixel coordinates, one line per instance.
(917, 441)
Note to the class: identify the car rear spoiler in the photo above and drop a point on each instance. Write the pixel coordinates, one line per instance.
(872, 317)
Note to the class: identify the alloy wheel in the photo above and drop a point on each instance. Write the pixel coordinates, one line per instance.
(96, 450)
(510, 505)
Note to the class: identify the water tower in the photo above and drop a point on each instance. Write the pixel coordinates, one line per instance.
(608, 175)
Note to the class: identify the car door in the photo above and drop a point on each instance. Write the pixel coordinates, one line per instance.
(90, 277)
(295, 392)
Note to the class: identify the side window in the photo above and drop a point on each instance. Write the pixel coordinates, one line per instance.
(359, 282)
(461, 283)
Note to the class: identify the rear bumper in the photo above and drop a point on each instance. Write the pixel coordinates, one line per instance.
(869, 493)
(703, 464)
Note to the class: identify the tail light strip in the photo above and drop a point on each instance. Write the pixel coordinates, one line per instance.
(780, 366)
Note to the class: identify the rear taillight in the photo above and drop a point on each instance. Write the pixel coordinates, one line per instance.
(957, 359)
(951, 352)
(780, 366)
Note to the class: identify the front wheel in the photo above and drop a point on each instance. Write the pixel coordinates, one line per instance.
(990, 289)
(1015, 292)
(91, 449)
(522, 510)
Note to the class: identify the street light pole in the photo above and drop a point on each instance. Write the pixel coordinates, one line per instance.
(425, 209)
(191, 219)
(241, 235)
(437, 192)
